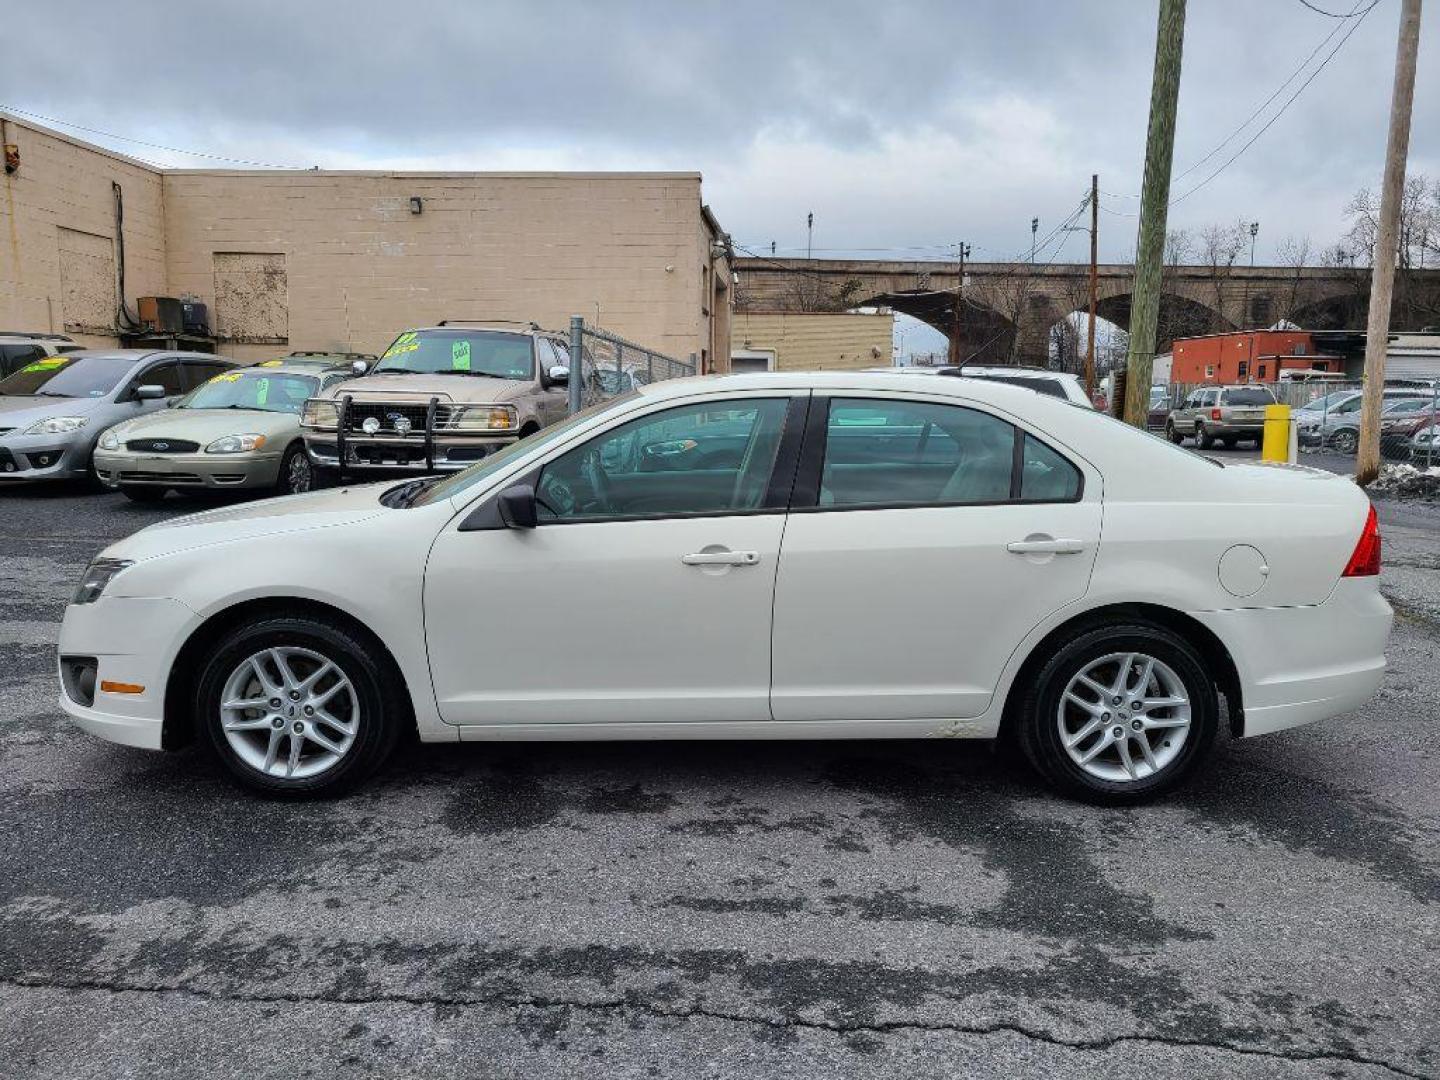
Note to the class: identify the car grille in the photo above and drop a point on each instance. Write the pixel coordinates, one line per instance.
(163, 446)
(158, 478)
(386, 413)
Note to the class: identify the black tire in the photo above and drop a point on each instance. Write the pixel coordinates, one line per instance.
(1203, 438)
(1173, 435)
(297, 474)
(143, 494)
(1039, 728)
(383, 709)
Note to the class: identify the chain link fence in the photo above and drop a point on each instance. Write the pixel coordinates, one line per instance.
(1326, 414)
(611, 365)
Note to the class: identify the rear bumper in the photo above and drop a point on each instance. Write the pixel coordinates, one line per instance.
(1298, 665)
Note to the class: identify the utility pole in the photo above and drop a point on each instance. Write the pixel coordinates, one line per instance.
(1245, 313)
(957, 315)
(1154, 203)
(1094, 283)
(1034, 228)
(1382, 274)
(809, 232)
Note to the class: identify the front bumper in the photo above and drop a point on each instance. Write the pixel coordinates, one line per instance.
(1298, 665)
(45, 457)
(134, 641)
(389, 454)
(118, 468)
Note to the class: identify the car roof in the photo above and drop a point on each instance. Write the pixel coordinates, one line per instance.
(496, 325)
(136, 355)
(989, 391)
(310, 370)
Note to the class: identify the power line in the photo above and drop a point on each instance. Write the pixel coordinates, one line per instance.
(1322, 11)
(140, 142)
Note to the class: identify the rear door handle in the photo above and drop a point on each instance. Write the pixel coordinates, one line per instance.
(1046, 547)
(721, 558)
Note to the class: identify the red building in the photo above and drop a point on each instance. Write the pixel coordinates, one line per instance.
(1244, 356)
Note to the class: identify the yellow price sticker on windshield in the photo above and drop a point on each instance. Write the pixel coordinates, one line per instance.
(406, 342)
(271, 363)
(229, 376)
(50, 363)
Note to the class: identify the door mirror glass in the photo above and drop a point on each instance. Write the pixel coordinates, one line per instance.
(517, 507)
(149, 392)
(559, 375)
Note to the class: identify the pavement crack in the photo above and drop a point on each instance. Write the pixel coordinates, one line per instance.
(699, 1011)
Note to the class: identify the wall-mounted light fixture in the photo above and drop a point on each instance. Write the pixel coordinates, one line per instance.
(417, 204)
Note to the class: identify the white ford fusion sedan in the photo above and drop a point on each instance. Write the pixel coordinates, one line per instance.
(808, 555)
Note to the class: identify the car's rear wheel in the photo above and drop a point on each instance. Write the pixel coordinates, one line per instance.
(1173, 435)
(299, 706)
(143, 494)
(1345, 441)
(1203, 438)
(1120, 714)
(297, 475)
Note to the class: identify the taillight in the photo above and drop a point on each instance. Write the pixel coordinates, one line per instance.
(1214, 414)
(1365, 562)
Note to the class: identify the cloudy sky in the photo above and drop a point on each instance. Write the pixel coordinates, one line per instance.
(904, 127)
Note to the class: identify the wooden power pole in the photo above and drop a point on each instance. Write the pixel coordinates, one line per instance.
(1154, 202)
(1387, 235)
(957, 314)
(1094, 283)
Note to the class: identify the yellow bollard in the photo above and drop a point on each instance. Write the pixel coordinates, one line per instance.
(1276, 446)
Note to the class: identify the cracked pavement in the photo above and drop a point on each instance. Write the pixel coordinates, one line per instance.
(859, 909)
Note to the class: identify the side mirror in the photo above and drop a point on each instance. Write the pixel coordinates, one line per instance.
(359, 367)
(559, 375)
(149, 392)
(517, 507)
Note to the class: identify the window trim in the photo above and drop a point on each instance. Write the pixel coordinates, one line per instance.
(805, 497)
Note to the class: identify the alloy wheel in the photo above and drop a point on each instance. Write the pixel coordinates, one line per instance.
(1124, 717)
(289, 713)
(299, 476)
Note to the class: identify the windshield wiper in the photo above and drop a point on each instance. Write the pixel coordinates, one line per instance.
(476, 374)
(399, 371)
(47, 393)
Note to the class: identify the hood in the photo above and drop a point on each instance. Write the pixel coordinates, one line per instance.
(421, 388)
(267, 517)
(20, 411)
(206, 425)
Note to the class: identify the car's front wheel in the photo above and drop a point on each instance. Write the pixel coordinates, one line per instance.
(1120, 714)
(1345, 441)
(297, 475)
(298, 705)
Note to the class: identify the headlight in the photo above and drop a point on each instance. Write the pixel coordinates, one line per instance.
(97, 575)
(56, 425)
(320, 414)
(235, 444)
(483, 418)
(110, 441)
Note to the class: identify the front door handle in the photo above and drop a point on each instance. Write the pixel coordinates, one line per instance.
(721, 558)
(1046, 546)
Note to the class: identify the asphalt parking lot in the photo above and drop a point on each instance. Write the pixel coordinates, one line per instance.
(856, 909)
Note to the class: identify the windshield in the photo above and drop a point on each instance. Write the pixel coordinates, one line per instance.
(1329, 401)
(1249, 397)
(461, 481)
(263, 390)
(68, 376)
(460, 352)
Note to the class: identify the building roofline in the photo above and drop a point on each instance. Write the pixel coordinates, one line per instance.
(41, 129)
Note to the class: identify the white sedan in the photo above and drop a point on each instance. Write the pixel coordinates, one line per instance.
(766, 556)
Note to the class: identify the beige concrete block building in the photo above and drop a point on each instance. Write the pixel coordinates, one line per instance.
(346, 259)
(805, 341)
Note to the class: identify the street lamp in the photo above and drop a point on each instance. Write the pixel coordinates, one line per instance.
(1034, 228)
(809, 231)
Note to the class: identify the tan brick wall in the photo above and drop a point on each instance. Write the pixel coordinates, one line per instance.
(57, 235)
(360, 266)
(336, 260)
(816, 342)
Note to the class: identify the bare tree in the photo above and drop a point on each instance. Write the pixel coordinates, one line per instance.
(1294, 253)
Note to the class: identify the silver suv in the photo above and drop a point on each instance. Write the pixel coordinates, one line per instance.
(18, 348)
(441, 398)
(1224, 413)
